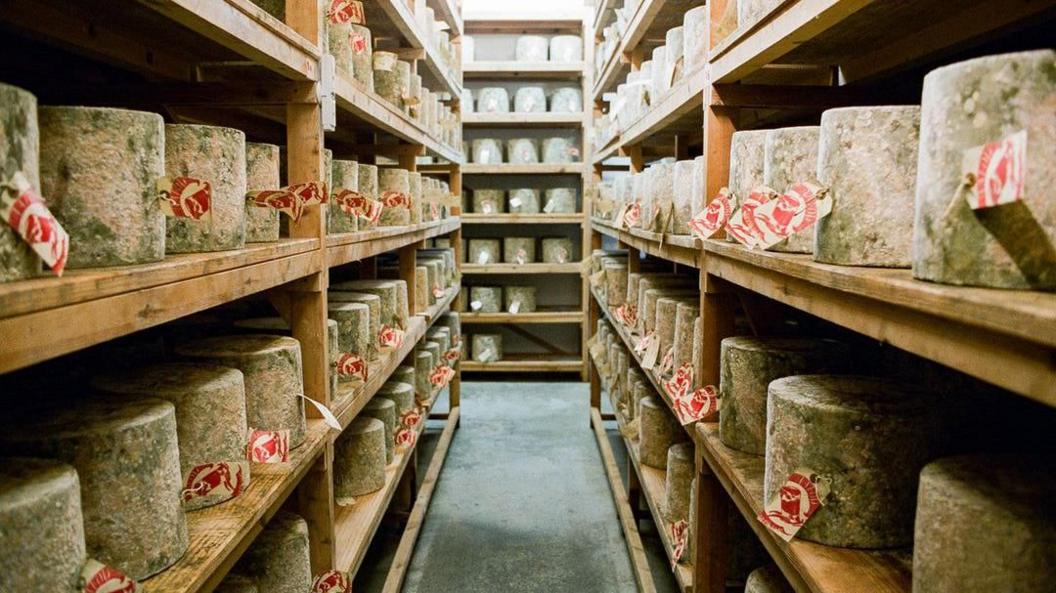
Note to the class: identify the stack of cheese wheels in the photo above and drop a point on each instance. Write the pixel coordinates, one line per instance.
(373, 303)
(387, 77)
(19, 153)
(966, 110)
(210, 404)
(985, 523)
(362, 56)
(749, 364)
(659, 431)
(767, 579)
(667, 320)
(278, 559)
(648, 300)
(414, 183)
(346, 177)
(99, 169)
(271, 367)
(384, 410)
(870, 437)
(867, 159)
(791, 156)
(360, 457)
(394, 183)
(262, 172)
(216, 155)
(368, 187)
(40, 508)
(442, 336)
(680, 471)
(487, 347)
(278, 326)
(133, 519)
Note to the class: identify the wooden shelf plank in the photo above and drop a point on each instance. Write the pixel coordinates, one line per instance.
(220, 534)
(1005, 337)
(523, 70)
(537, 317)
(569, 268)
(450, 12)
(541, 218)
(522, 120)
(400, 17)
(508, 22)
(651, 19)
(681, 249)
(810, 567)
(533, 169)
(523, 363)
(344, 248)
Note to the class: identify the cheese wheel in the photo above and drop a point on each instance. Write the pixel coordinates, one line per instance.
(685, 316)
(373, 303)
(262, 172)
(767, 579)
(401, 394)
(387, 290)
(531, 48)
(647, 305)
(418, 206)
(387, 78)
(971, 104)
(560, 149)
(684, 203)
(566, 100)
(566, 48)
(278, 559)
(19, 151)
(384, 410)
(520, 299)
(442, 336)
(615, 283)
(423, 295)
(487, 347)
(558, 250)
(747, 162)
(362, 44)
(523, 201)
(486, 151)
(271, 366)
(423, 368)
(210, 403)
(695, 38)
(434, 350)
(42, 548)
(559, 200)
(99, 169)
(518, 250)
(492, 99)
(216, 155)
(984, 523)
(870, 436)
(353, 333)
(236, 583)
(867, 158)
(659, 431)
(484, 251)
(667, 320)
(681, 469)
(405, 373)
(396, 181)
(360, 458)
(453, 321)
(485, 299)
(522, 151)
(346, 177)
(791, 156)
(128, 462)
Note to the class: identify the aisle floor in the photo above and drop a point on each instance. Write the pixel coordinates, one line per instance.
(523, 504)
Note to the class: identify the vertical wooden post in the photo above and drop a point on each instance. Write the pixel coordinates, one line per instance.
(454, 389)
(409, 273)
(635, 154)
(711, 553)
(314, 500)
(589, 183)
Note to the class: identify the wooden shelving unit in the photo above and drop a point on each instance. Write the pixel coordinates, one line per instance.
(538, 317)
(524, 70)
(569, 268)
(530, 169)
(527, 364)
(541, 218)
(230, 63)
(523, 120)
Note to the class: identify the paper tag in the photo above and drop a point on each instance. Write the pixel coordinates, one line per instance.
(328, 416)
(185, 197)
(644, 344)
(996, 172)
(215, 482)
(268, 446)
(23, 208)
(561, 255)
(630, 215)
(357, 42)
(522, 256)
(515, 307)
(395, 199)
(453, 355)
(346, 11)
(741, 225)
(439, 292)
(550, 206)
(679, 537)
(390, 337)
(97, 577)
(802, 494)
(405, 438)
(483, 257)
(627, 314)
(441, 375)
(792, 212)
(488, 206)
(700, 406)
(332, 581)
(352, 365)
(666, 362)
(410, 418)
(680, 383)
(573, 152)
(713, 217)
(487, 355)
(515, 202)
(352, 202)
(476, 305)
(291, 200)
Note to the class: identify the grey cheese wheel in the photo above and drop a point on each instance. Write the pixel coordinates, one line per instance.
(615, 283)
(520, 299)
(278, 560)
(870, 436)
(685, 316)
(487, 347)
(278, 326)
(216, 155)
(518, 250)
(681, 469)
(767, 579)
(685, 203)
(262, 172)
(566, 48)
(346, 177)
(128, 463)
(401, 394)
(667, 320)
(659, 430)
(442, 336)
(386, 291)
(418, 205)
(236, 583)
(387, 78)
(397, 181)
(694, 25)
(210, 404)
(453, 322)
(362, 56)
(791, 157)
(523, 201)
(485, 299)
(647, 306)
(384, 410)
(487, 151)
(19, 151)
(748, 365)
(557, 250)
(488, 201)
(484, 251)
(970, 104)
(434, 349)
(360, 458)
(985, 523)
(560, 200)
(271, 366)
(423, 296)
(99, 169)
(560, 150)
(747, 158)
(368, 187)
(374, 303)
(42, 548)
(522, 151)
(867, 158)
(529, 99)
(423, 367)
(405, 373)
(531, 48)
(493, 100)
(353, 329)
(566, 100)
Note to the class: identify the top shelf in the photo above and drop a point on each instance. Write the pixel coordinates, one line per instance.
(450, 12)
(487, 23)
(394, 18)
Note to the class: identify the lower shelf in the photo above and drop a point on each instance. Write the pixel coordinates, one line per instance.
(526, 363)
(535, 317)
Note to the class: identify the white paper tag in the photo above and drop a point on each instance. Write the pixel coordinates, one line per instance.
(550, 206)
(475, 305)
(515, 307)
(327, 415)
(515, 202)
(482, 257)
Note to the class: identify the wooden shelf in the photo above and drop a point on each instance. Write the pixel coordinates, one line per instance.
(522, 120)
(450, 12)
(810, 567)
(864, 38)
(681, 249)
(39, 315)
(537, 317)
(533, 169)
(509, 22)
(523, 70)
(219, 534)
(526, 363)
(602, 13)
(569, 268)
(1005, 337)
(394, 18)
(344, 248)
(541, 218)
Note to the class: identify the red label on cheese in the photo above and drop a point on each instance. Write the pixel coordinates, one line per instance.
(268, 446)
(700, 406)
(802, 494)
(346, 11)
(24, 210)
(352, 365)
(390, 337)
(357, 42)
(441, 375)
(678, 386)
(100, 578)
(291, 200)
(406, 437)
(996, 172)
(626, 314)
(453, 355)
(794, 211)
(395, 199)
(679, 537)
(185, 197)
(352, 202)
(216, 482)
(332, 581)
(714, 217)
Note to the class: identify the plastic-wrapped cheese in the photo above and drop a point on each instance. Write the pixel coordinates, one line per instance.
(518, 250)
(487, 151)
(869, 436)
(560, 200)
(485, 299)
(560, 149)
(271, 366)
(346, 177)
(393, 182)
(128, 463)
(372, 301)
(484, 251)
(695, 38)
(978, 103)
(524, 201)
(487, 347)
(384, 410)
(216, 155)
(681, 468)
(19, 151)
(520, 299)
(984, 523)
(566, 100)
(531, 48)
(557, 250)
(566, 48)
(278, 560)
(659, 430)
(529, 99)
(359, 458)
(493, 99)
(867, 158)
(210, 404)
(42, 548)
(791, 156)
(262, 172)
(99, 169)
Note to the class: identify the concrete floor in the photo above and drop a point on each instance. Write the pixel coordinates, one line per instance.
(522, 505)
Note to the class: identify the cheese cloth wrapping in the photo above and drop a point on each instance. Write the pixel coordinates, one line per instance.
(487, 347)
(493, 99)
(484, 251)
(520, 299)
(487, 151)
(485, 299)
